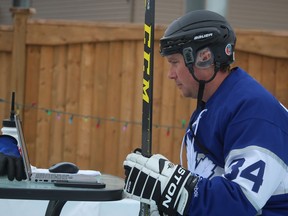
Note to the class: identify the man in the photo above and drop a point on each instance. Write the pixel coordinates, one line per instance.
(237, 138)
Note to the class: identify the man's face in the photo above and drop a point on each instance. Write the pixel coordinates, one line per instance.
(181, 75)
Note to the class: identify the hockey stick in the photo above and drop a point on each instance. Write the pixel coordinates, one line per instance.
(147, 97)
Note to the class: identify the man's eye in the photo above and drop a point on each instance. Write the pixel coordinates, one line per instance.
(173, 62)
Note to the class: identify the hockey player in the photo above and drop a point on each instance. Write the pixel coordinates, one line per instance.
(237, 138)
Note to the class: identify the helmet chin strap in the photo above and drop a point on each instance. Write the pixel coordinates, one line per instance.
(202, 83)
(200, 102)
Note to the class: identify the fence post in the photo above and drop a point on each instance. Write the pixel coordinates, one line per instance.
(20, 16)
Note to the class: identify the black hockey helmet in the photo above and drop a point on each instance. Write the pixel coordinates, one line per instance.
(197, 30)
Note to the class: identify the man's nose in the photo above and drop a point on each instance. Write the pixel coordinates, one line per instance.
(171, 74)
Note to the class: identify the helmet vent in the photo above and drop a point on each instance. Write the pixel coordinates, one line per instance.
(226, 34)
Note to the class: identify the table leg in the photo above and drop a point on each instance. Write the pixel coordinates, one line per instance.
(54, 207)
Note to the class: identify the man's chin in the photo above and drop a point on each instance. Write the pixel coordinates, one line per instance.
(187, 94)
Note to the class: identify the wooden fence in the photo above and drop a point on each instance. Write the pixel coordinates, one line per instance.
(79, 88)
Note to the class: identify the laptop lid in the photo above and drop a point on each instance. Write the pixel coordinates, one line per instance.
(81, 176)
(23, 147)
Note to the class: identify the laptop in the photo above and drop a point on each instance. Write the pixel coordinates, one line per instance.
(43, 175)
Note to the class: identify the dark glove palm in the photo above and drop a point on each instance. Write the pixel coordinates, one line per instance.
(12, 167)
(11, 163)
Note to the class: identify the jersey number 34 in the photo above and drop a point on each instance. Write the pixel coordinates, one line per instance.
(254, 172)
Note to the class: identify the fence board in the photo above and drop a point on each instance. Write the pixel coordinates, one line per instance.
(44, 100)
(157, 96)
(137, 100)
(96, 70)
(113, 128)
(281, 91)
(31, 99)
(126, 102)
(72, 102)
(268, 78)
(5, 88)
(6, 39)
(61, 32)
(100, 81)
(262, 42)
(254, 66)
(241, 59)
(58, 103)
(85, 106)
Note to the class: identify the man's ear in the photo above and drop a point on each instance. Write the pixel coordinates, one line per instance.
(204, 58)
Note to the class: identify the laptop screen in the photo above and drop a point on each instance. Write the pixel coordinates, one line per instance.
(23, 147)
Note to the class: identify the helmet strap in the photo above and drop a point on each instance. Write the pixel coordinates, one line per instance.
(200, 102)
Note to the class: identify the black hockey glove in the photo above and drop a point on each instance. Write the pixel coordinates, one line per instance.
(156, 180)
(11, 163)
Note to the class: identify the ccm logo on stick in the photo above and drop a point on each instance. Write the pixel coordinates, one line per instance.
(172, 188)
(147, 62)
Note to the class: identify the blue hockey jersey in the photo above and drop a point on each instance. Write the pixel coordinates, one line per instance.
(238, 145)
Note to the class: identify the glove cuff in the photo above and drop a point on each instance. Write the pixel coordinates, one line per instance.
(186, 195)
(175, 196)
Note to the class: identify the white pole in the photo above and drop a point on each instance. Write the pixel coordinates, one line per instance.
(218, 6)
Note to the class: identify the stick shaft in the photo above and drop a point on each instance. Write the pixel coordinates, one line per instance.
(147, 97)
